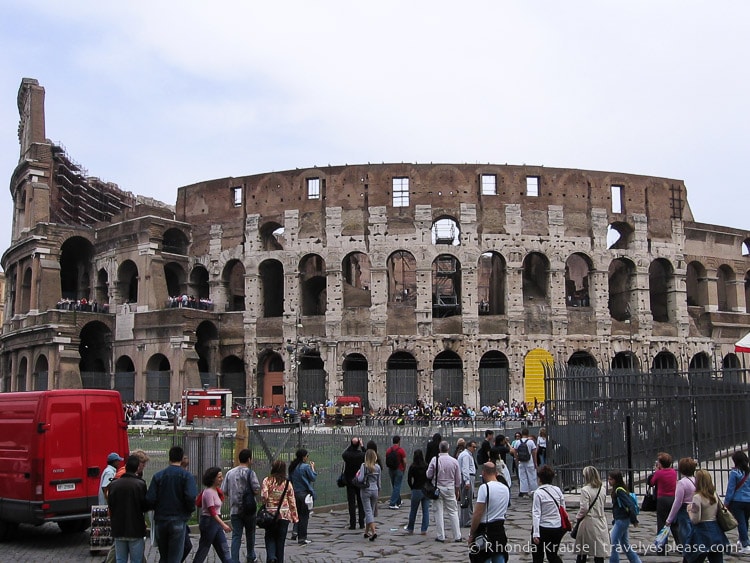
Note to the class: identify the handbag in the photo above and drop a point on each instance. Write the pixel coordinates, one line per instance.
(564, 517)
(430, 489)
(341, 481)
(574, 531)
(649, 500)
(724, 518)
(363, 484)
(264, 519)
(309, 501)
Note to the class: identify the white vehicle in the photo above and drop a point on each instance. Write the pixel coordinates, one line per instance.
(157, 417)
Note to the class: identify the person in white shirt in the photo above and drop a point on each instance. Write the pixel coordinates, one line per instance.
(526, 468)
(468, 474)
(547, 531)
(448, 480)
(489, 518)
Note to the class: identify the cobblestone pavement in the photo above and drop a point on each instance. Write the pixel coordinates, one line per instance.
(332, 542)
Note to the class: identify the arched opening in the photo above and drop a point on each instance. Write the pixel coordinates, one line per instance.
(401, 379)
(700, 364)
(696, 285)
(313, 287)
(731, 369)
(577, 280)
(23, 368)
(491, 283)
(174, 274)
(271, 280)
(158, 377)
(625, 362)
(448, 379)
(40, 377)
(175, 242)
(26, 291)
(127, 281)
(534, 366)
(271, 391)
(747, 291)
(446, 286)
(725, 288)
(535, 279)
(619, 236)
(446, 231)
(311, 379)
(582, 376)
(200, 288)
(271, 236)
(357, 280)
(125, 378)
(101, 297)
(402, 278)
(661, 290)
(355, 378)
(234, 278)
(494, 379)
(75, 264)
(746, 247)
(207, 347)
(95, 348)
(233, 376)
(622, 295)
(664, 361)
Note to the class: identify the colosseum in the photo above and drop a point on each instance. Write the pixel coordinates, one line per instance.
(395, 282)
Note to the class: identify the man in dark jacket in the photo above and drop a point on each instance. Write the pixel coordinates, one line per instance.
(127, 503)
(354, 457)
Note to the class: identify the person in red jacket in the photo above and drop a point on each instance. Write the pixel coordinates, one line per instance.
(395, 460)
(664, 480)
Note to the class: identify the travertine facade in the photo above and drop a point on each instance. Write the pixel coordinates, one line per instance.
(393, 281)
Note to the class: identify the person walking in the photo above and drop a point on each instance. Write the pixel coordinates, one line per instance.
(526, 462)
(624, 513)
(683, 495)
(274, 490)
(444, 469)
(468, 468)
(369, 476)
(235, 484)
(172, 493)
(546, 524)
(416, 478)
(354, 457)
(707, 540)
(664, 481)
(127, 505)
(302, 475)
(395, 460)
(593, 536)
(213, 528)
(737, 498)
(489, 518)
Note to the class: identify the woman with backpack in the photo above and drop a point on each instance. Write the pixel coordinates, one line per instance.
(302, 475)
(624, 512)
(737, 498)
(368, 478)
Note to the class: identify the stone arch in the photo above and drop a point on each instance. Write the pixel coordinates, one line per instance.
(448, 378)
(626, 361)
(313, 285)
(270, 380)
(207, 348)
(491, 284)
(446, 230)
(725, 278)
(401, 379)
(26, 290)
(534, 365)
(700, 363)
(446, 286)
(582, 376)
(271, 290)
(619, 235)
(158, 378)
(402, 278)
(234, 278)
(76, 255)
(696, 281)
(494, 378)
(95, 348)
(127, 281)
(176, 278)
(271, 236)
(311, 379)
(101, 292)
(357, 278)
(175, 241)
(233, 376)
(622, 294)
(536, 268)
(664, 361)
(125, 378)
(355, 380)
(40, 376)
(731, 369)
(199, 283)
(661, 289)
(746, 247)
(578, 271)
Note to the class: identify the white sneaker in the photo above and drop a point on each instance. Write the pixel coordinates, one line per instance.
(745, 550)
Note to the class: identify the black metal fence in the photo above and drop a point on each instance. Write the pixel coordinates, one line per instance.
(620, 419)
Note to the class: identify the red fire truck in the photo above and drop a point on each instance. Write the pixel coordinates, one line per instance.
(206, 403)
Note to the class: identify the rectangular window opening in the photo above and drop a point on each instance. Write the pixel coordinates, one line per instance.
(489, 184)
(400, 192)
(532, 186)
(313, 188)
(616, 199)
(237, 196)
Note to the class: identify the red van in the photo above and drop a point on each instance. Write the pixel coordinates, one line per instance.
(53, 448)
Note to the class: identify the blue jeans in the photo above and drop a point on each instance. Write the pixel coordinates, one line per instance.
(684, 526)
(741, 511)
(170, 539)
(275, 539)
(243, 524)
(417, 499)
(621, 542)
(397, 476)
(129, 547)
(211, 535)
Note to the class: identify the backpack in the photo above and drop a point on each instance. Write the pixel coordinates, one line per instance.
(391, 458)
(248, 505)
(523, 451)
(634, 501)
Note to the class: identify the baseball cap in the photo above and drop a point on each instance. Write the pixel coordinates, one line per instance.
(113, 457)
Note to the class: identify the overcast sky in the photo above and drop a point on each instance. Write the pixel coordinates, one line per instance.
(156, 95)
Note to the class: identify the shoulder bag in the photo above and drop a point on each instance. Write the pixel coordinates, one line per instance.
(264, 519)
(574, 531)
(564, 517)
(430, 489)
(478, 548)
(649, 500)
(724, 518)
(341, 481)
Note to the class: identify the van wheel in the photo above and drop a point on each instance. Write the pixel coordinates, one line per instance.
(7, 529)
(73, 526)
